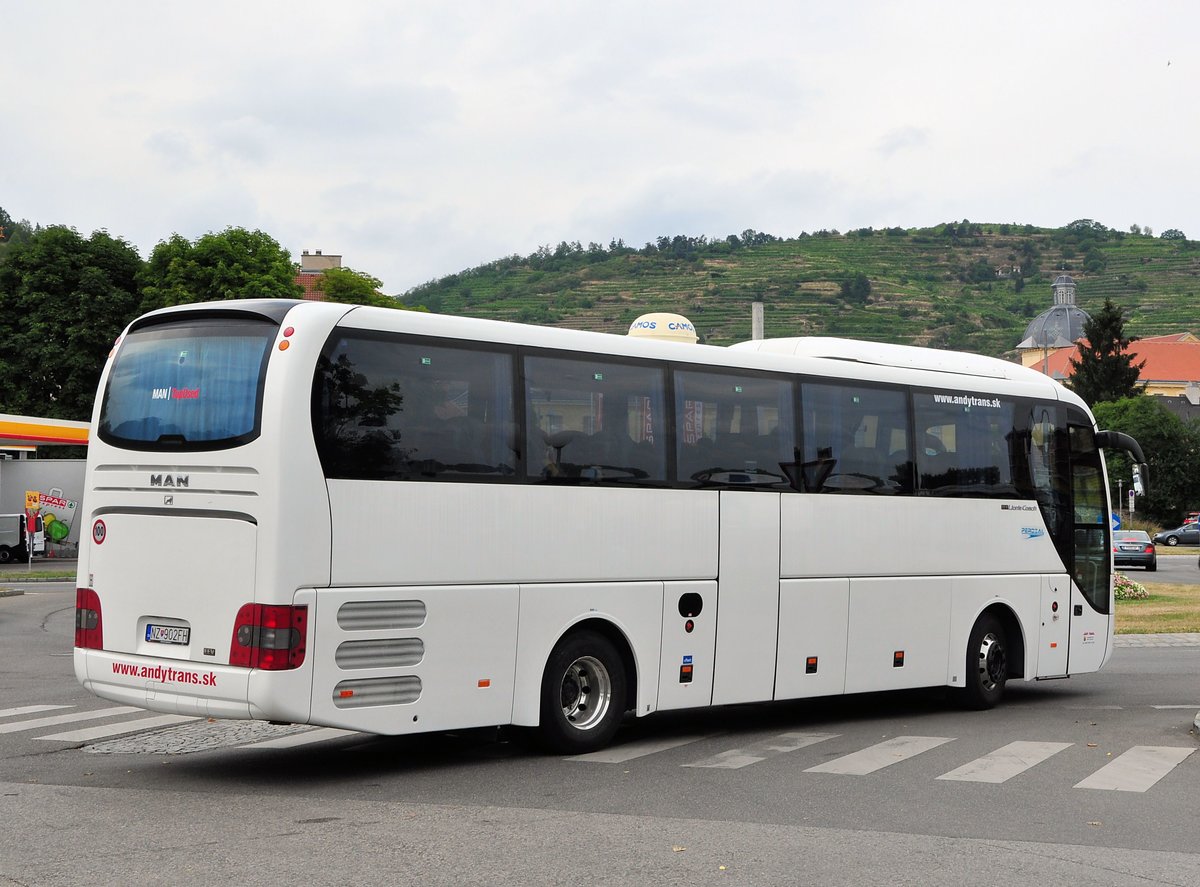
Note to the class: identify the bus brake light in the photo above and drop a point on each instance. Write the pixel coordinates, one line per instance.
(89, 629)
(269, 637)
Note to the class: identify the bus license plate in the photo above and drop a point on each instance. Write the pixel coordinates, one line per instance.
(168, 634)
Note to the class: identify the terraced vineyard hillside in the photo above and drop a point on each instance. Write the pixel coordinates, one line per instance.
(960, 285)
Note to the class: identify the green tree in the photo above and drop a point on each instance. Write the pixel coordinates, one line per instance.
(350, 287)
(12, 232)
(1172, 449)
(1103, 368)
(856, 288)
(354, 288)
(234, 264)
(63, 301)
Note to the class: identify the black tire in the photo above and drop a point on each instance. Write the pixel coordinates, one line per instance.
(1172, 540)
(583, 694)
(1152, 566)
(6, 554)
(986, 664)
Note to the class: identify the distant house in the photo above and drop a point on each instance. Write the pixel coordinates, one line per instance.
(1172, 369)
(308, 277)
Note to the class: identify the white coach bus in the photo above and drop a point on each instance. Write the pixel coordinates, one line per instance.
(397, 522)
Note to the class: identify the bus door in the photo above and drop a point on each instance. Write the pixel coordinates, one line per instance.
(1091, 602)
(1049, 468)
(1068, 480)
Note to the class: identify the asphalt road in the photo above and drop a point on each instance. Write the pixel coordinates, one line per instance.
(1179, 567)
(1091, 781)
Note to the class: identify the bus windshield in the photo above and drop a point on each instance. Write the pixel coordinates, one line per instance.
(187, 385)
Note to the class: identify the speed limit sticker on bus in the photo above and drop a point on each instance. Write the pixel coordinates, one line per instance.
(98, 532)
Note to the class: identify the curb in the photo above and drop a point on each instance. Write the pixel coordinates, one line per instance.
(10, 592)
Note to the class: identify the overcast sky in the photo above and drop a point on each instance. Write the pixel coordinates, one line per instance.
(420, 139)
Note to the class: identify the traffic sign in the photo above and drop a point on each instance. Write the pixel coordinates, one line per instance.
(1116, 521)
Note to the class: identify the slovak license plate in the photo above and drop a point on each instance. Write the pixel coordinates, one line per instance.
(168, 634)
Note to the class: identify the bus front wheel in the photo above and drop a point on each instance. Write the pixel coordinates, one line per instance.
(987, 664)
(583, 694)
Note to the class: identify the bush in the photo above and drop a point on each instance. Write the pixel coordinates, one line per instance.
(1128, 590)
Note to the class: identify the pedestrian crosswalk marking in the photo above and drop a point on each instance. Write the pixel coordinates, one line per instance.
(89, 733)
(29, 710)
(619, 754)
(884, 754)
(1137, 769)
(736, 758)
(1005, 763)
(55, 720)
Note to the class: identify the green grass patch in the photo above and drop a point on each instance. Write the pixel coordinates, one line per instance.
(1169, 609)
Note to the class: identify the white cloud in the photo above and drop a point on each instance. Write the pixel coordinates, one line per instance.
(420, 139)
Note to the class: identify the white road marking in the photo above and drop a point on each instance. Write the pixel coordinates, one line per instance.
(1138, 769)
(736, 758)
(1005, 763)
(319, 735)
(1194, 706)
(619, 754)
(67, 719)
(89, 733)
(29, 710)
(892, 751)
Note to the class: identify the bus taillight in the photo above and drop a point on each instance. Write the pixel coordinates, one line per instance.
(89, 631)
(269, 637)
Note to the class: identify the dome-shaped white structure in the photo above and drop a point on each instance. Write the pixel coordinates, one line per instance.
(665, 327)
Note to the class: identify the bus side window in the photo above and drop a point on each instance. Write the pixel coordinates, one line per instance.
(733, 430)
(395, 409)
(967, 446)
(855, 440)
(595, 420)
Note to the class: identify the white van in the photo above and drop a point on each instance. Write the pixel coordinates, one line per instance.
(12, 538)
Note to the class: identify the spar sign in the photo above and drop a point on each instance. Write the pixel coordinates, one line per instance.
(58, 513)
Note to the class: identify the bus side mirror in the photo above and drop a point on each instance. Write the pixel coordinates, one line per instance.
(1141, 476)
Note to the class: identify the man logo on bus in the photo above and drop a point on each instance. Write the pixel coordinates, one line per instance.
(166, 480)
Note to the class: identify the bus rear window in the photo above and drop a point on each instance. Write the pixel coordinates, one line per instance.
(192, 384)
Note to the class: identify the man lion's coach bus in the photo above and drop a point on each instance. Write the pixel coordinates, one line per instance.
(395, 522)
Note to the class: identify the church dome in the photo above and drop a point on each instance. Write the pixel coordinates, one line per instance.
(1060, 325)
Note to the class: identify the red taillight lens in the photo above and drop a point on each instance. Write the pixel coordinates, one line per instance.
(89, 628)
(1149, 548)
(269, 637)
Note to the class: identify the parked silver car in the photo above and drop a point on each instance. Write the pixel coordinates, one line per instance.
(1133, 548)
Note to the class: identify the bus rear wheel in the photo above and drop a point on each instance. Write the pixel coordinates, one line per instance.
(583, 694)
(986, 665)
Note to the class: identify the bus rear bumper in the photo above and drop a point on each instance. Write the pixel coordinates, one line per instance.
(165, 685)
